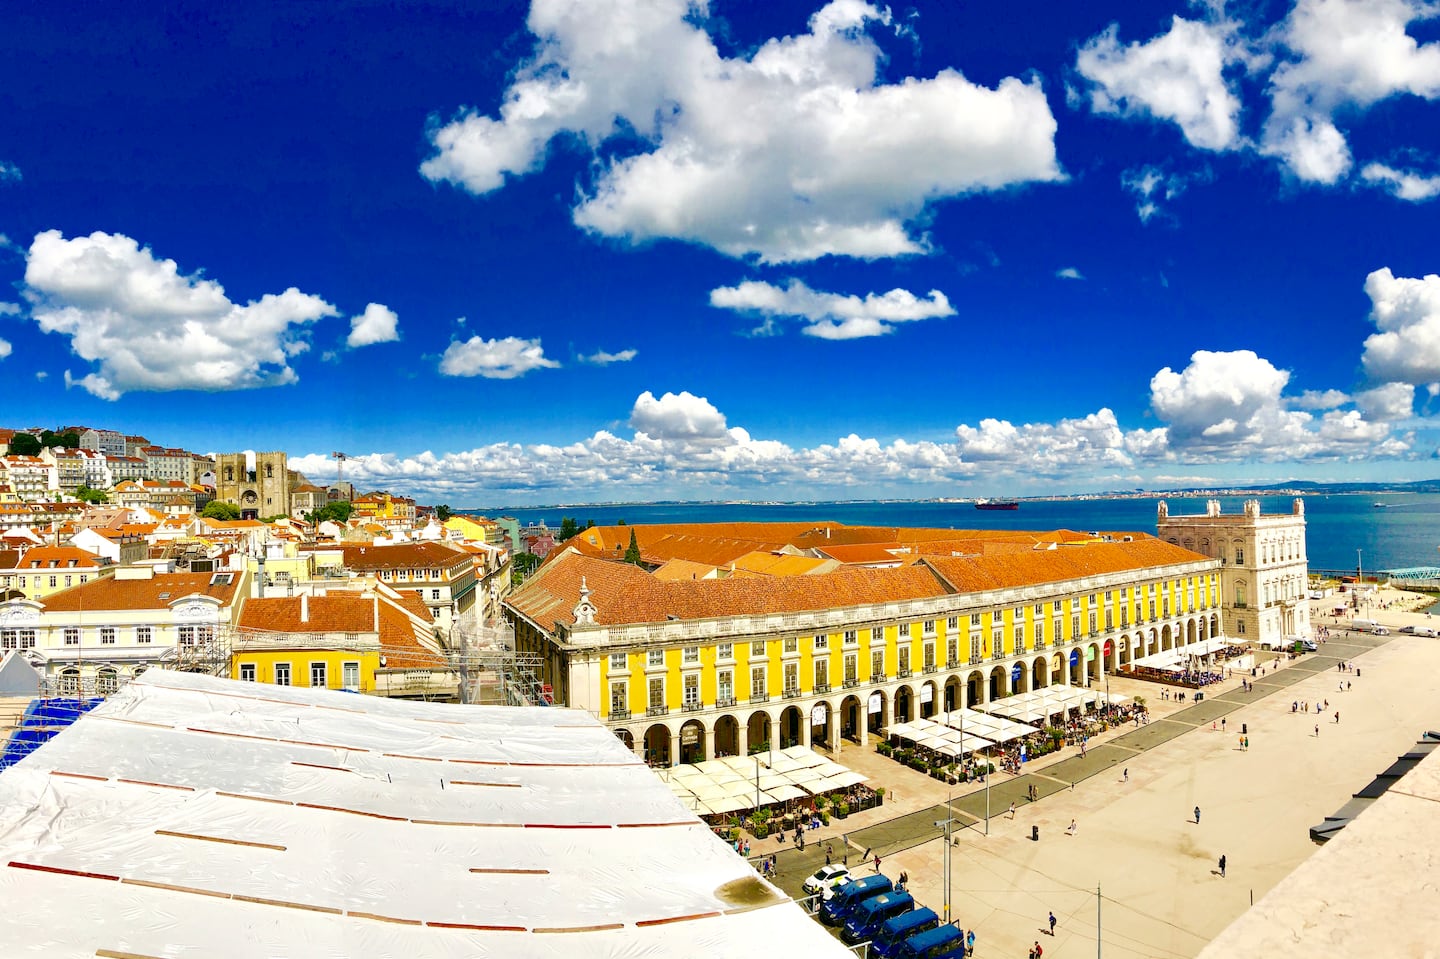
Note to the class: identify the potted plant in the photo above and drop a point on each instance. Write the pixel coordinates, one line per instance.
(842, 809)
(879, 795)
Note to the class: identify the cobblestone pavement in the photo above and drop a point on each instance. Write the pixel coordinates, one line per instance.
(970, 808)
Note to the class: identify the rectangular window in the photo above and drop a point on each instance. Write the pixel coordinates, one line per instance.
(67, 581)
(792, 644)
(434, 594)
(975, 648)
(997, 642)
(1092, 621)
(1152, 609)
(72, 636)
(1074, 627)
(350, 675)
(655, 657)
(657, 692)
(618, 662)
(282, 674)
(904, 660)
(247, 672)
(822, 641)
(928, 627)
(317, 675)
(877, 664)
(9, 639)
(1109, 619)
(757, 682)
(53, 582)
(851, 637)
(953, 623)
(1057, 636)
(1019, 639)
(618, 698)
(1057, 606)
(974, 619)
(822, 674)
(757, 648)
(1039, 631)
(877, 635)
(725, 650)
(1239, 556)
(929, 654)
(792, 679)
(851, 668)
(692, 690)
(952, 650)
(1039, 610)
(725, 683)
(107, 635)
(1109, 595)
(691, 655)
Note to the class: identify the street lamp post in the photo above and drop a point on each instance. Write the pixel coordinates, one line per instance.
(947, 824)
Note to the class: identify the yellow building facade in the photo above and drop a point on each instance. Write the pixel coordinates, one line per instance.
(688, 671)
(307, 665)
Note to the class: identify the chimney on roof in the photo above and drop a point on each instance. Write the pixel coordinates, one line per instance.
(304, 607)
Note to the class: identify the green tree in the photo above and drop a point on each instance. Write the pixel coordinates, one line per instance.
(442, 512)
(336, 512)
(632, 555)
(221, 510)
(569, 529)
(87, 495)
(525, 563)
(69, 439)
(25, 444)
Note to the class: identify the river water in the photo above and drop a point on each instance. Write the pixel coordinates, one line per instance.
(1405, 533)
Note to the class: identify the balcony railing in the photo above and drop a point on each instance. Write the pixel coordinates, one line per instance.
(822, 688)
(792, 693)
(619, 713)
(877, 678)
(658, 711)
(759, 698)
(997, 655)
(931, 668)
(976, 660)
(851, 683)
(725, 702)
(903, 674)
(694, 707)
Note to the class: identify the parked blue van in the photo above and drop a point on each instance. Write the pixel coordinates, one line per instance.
(865, 920)
(895, 931)
(942, 942)
(839, 906)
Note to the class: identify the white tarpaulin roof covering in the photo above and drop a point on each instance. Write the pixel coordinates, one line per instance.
(196, 816)
(940, 737)
(785, 774)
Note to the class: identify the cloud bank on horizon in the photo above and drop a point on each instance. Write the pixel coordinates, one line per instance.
(819, 201)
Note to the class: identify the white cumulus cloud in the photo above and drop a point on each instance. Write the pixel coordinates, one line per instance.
(1069, 273)
(1320, 399)
(1178, 76)
(831, 316)
(10, 173)
(1401, 184)
(496, 359)
(1155, 186)
(1344, 55)
(795, 152)
(680, 416)
(602, 358)
(1053, 449)
(1386, 403)
(5, 349)
(148, 327)
(1406, 311)
(378, 324)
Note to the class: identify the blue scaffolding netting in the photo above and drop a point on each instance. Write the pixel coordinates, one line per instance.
(42, 720)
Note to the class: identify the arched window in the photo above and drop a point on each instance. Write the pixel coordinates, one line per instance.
(107, 681)
(70, 681)
(229, 474)
(269, 471)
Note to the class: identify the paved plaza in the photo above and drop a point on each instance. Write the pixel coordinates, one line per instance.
(1160, 892)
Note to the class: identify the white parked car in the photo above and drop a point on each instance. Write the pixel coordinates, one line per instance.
(826, 879)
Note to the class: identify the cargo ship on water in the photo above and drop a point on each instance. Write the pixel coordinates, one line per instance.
(997, 504)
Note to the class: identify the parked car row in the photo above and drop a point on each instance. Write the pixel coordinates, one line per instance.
(870, 908)
(1418, 631)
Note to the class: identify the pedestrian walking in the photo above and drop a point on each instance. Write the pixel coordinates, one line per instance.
(1052, 914)
(1337, 717)
(1012, 810)
(1222, 866)
(877, 862)
(970, 942)
(1127, 774)
(1222, 724)
(827, 855)
(1317, 730)
(1197, 815)
(1071, 829)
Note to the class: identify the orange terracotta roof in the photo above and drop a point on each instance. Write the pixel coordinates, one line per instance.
(333, 613)
(60, 557)
(109, 593)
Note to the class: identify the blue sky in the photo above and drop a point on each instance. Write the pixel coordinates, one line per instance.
(508, 253)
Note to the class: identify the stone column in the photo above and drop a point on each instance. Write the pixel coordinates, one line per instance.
(674, 747)
(742, 740)
(709, 733)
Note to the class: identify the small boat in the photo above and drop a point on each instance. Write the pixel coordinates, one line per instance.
(1379, 505)
(996, 504)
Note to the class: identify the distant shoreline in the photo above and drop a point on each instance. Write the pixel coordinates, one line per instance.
(953, 500)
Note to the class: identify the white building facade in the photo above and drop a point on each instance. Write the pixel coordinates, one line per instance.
(1264, 570)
